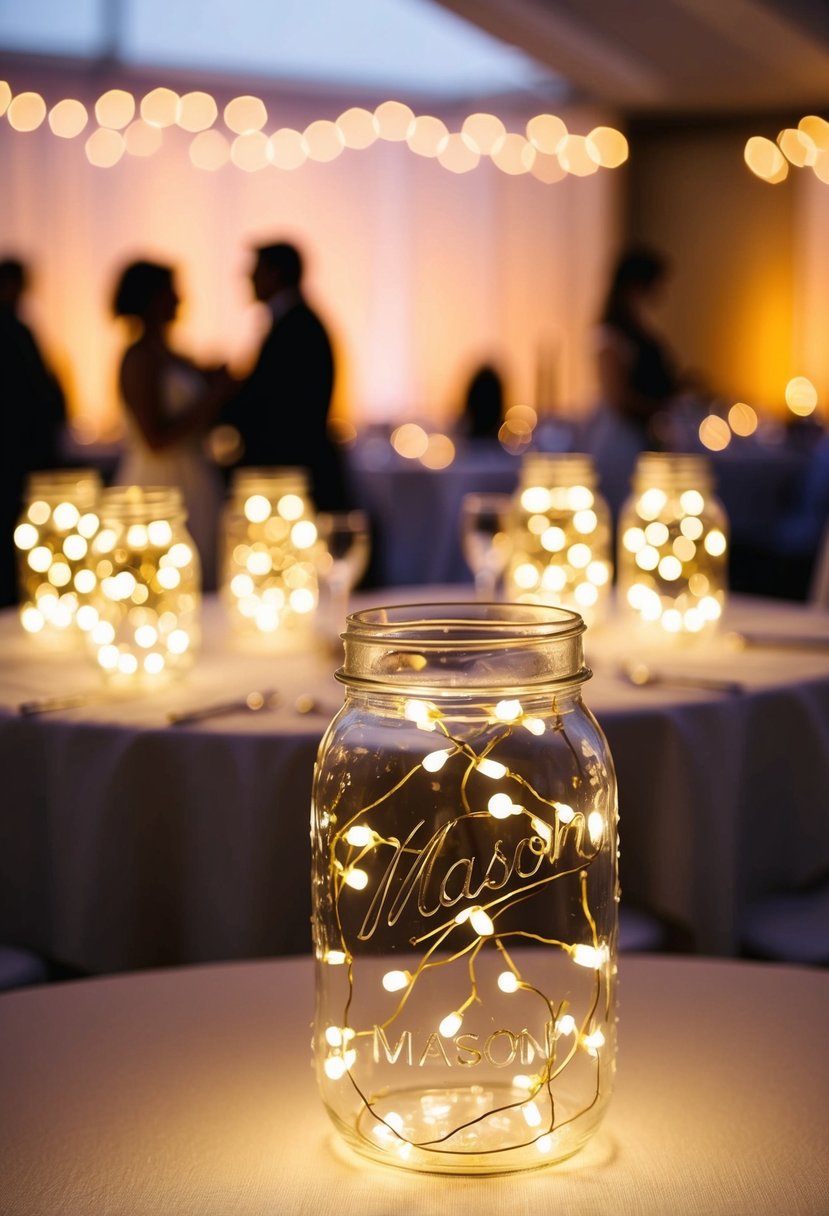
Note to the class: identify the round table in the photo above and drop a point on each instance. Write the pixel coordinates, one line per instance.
(191, 1091)
(128, 842)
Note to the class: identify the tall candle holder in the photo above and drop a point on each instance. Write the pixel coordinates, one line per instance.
(673, 548)
(147, 597)
(269, 579)
(464, 878)
(560, 532)
(58, 521)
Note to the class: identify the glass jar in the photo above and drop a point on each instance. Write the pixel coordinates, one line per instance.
(561, 536)
(673, 547)
(269, 582)
(465, 898)
(52, 535)
(147, 597)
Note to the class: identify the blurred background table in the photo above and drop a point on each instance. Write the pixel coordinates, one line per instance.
(191, 1091)
(128, 842)
(415, 510)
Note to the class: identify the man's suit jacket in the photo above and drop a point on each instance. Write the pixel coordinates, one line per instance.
(281, 410)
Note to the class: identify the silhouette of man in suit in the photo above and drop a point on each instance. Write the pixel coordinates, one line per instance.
(32, 414)
(282, 407)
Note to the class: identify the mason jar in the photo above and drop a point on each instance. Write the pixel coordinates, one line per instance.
(561, 536)
(672, 548)
(465, 896)
(146, 602)
(269, 553)
(58, 519)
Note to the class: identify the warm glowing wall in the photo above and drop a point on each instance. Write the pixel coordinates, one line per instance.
(749, 303)
(419, 272)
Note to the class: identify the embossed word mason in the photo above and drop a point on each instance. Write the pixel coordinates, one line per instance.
(500, 1049)
(436, 882)
(464, 881)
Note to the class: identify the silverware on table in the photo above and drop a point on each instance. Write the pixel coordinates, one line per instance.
(45, 705)
(640, 674)
(251, 702)
(307, 703)
(778, 641)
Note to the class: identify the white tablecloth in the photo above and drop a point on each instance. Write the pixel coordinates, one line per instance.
(190, 1093)
(126, 842)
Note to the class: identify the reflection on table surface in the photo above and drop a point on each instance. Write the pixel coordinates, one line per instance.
(191, 1091)
(129, 842)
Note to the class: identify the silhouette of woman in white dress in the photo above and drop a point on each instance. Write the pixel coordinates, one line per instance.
(169, 406)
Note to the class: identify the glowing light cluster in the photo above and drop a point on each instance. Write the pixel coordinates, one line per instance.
(545, 148)
(561, 538)
(143, 624)
(269, 573)
(52, 539)
(442, 1041)
(805, 146)
(673, 547)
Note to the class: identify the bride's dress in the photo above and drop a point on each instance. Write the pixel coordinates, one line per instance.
(183, 464)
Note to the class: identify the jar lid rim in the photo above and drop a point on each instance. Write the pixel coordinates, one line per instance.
(472, 621)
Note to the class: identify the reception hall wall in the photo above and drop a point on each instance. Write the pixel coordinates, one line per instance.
(420, 273)
(749, 302)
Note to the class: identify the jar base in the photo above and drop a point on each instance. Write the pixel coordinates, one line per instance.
(470, 1130)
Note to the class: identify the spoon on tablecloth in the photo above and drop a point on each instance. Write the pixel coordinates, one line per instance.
(252, 701)
(639, 674)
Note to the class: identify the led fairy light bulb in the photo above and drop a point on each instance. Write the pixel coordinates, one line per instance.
(672, 549)
(561, 536)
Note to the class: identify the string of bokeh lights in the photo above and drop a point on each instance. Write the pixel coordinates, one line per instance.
(805, 146)
(546, 149)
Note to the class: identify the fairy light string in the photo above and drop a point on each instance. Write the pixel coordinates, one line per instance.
(127, 126)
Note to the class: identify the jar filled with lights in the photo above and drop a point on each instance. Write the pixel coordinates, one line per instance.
(561, 536)
(672, 548)
(269, 580)
(145, 616)
(58, 520)
(465, 896)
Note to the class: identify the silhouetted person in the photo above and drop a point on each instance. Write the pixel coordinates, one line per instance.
(32, 415)
(637, 373)
(169, 404)
(791, 564)
(282, 409)
(483, 410)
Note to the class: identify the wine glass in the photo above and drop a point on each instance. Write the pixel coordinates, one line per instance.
(485, 539)
(342, 561)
